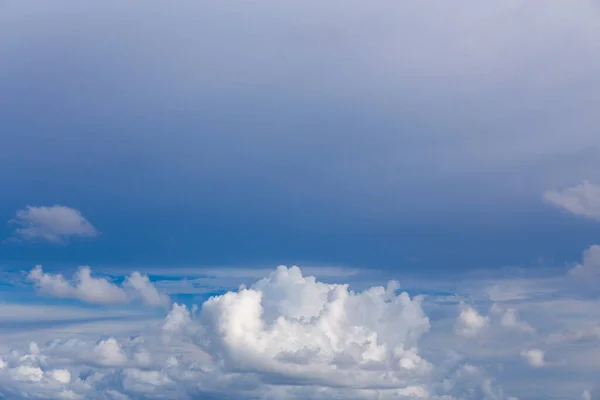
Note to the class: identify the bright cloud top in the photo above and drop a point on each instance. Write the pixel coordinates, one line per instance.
(582, 199)
(469, 323)
(87, 288)
(299, 329)
(55, 224)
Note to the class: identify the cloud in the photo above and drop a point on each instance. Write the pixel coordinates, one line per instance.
(589, 334)
(534, 357)
(108, 353)
(510, 320)
(287, 336)
(469, 323)
(177, 320)
(145, 290)
(55, 224)
(291, 336)
(84, 286)
(297, 328)
(61, 375)
(582, 199)
(87, 288)
(589, 269)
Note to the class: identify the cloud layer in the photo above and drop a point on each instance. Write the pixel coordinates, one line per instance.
(291, 336)
(285, 337)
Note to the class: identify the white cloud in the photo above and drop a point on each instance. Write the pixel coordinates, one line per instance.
(285, 337)
(469, 323)
(27, 373)
(290, 336)
(54, 224)
(177, 320)
(84, 286)
(582, 199)
(87, 288)
(299, 328)
(534, 357)
(60, 375)
(109, 353)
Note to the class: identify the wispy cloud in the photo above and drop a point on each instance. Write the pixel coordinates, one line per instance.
(55, 224)
(582, 199)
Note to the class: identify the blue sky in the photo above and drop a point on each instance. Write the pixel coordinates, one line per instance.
(282, 134)
(453, 147)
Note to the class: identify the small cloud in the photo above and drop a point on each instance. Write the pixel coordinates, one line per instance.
(470, 323)
(87, 288)
(84, 286)
(582, 199)
(534, 357)
(60, 375)
(510, 320)
(54, 224)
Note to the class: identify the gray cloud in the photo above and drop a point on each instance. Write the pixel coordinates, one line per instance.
(54, 224)
(582, 199)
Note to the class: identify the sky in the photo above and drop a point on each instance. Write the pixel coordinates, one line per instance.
(154, 157)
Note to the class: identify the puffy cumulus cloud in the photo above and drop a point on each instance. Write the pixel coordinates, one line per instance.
(60, 375)
(25, 376)
(534, 357)
(582, 199)
(469, 322)
(54, 224)
(287, 336)
(297, 328)
(109, 353)
(87, 288)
